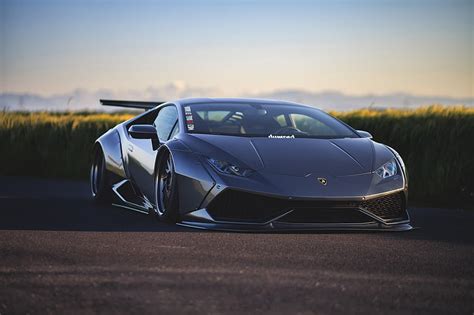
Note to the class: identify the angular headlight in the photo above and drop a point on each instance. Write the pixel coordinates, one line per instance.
(229, 168)
(399, 158)
(387, 170)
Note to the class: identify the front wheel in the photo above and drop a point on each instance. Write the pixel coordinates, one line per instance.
(166, 190)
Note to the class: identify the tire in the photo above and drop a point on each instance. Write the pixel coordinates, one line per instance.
(166, 190)
(99, 178)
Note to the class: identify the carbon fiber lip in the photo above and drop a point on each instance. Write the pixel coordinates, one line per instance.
(201, 219)
(296, 227)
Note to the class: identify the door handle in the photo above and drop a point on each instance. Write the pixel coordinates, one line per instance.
(130, 148)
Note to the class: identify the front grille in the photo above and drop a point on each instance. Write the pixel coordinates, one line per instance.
(325, 215)
(390, 207)
(237, 206)
(232, 205)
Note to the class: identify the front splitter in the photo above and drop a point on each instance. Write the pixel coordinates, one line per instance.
(280, 226)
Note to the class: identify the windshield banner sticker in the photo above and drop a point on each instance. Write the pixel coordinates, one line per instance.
(189, 117)
(281, 137)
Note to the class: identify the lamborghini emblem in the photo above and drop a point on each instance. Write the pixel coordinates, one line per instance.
(323, 181)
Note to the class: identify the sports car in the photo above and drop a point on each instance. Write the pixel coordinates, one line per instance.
(249, 165)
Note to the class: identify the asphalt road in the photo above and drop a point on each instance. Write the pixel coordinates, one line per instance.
(59, 253)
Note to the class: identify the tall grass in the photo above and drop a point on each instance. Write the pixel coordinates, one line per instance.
(436, 143)
(50, 145)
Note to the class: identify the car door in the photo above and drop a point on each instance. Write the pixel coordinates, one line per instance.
(142, 155)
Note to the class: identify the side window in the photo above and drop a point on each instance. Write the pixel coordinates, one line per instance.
(165, 121)
(175, 130)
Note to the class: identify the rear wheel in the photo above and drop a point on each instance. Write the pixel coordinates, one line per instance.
(166, 190)
(100, 188)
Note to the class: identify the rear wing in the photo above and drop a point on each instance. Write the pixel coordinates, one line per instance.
(130, 104)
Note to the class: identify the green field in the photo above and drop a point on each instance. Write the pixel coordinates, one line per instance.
(436, 143)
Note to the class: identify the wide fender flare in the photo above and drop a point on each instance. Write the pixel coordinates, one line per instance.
(194, 181)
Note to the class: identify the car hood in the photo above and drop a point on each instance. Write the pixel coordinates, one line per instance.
(294, 156)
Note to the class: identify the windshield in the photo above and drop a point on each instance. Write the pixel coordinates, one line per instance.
(260, 120)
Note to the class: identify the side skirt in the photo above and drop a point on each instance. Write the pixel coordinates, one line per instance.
(127, 198)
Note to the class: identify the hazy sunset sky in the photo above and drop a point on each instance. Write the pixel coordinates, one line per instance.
(420, 47)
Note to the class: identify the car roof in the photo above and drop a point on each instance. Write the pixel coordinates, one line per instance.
(188, 101)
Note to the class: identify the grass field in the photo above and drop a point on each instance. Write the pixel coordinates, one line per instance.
(436, 143)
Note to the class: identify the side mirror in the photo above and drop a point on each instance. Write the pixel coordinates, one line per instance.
(364, 134)
(143, 132)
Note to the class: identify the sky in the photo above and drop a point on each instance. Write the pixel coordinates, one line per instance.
(229, 48)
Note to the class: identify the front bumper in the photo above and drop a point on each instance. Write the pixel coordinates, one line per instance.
(236, 210)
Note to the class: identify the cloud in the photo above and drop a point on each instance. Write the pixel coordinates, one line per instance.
(81, 99)
(335, 100)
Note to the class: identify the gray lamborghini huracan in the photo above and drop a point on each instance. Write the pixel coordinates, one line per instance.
(249, 164)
